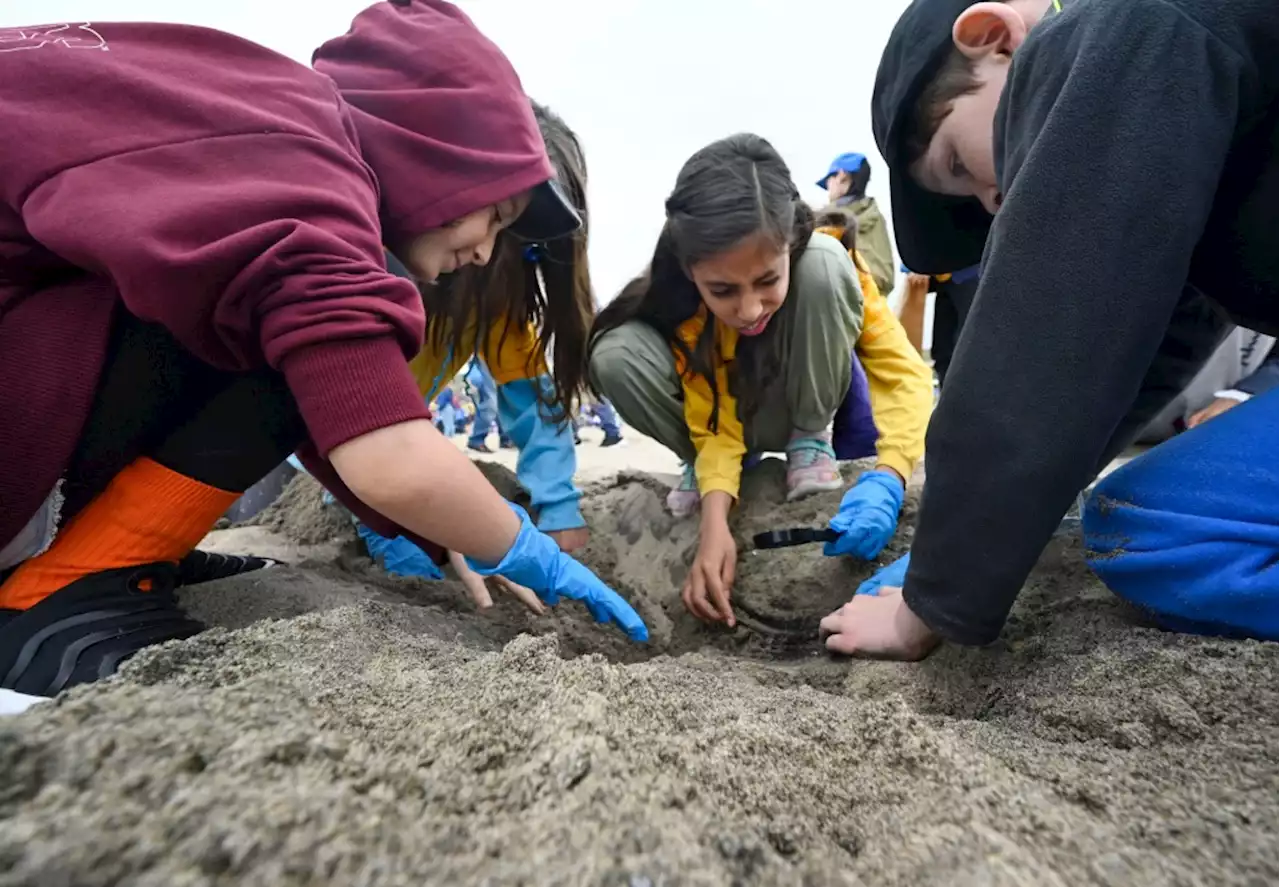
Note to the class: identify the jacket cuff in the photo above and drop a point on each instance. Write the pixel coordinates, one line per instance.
(560, 516)
(898, 462)
(944, 624)
(718, 484)
(349, 387)
(1233, 394)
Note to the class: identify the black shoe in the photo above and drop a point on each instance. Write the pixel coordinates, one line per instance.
(206, 566)
(507, 445)
(479, 447)
(81, 633)
(611, 440)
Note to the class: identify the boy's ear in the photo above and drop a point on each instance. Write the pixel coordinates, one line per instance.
(988, 28)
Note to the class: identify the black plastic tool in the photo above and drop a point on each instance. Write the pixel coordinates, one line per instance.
(797, 536)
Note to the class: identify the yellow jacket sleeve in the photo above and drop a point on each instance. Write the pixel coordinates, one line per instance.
(511, 352)
(719, 462)
(900, 383)
(434, 368)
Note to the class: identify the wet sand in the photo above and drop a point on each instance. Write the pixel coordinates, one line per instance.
(340, 726)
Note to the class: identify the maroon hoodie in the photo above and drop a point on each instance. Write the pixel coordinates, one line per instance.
(205, 183)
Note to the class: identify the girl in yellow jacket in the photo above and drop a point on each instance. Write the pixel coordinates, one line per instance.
(741, 338)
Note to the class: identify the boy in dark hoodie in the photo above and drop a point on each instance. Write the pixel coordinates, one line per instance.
(1127, 150)
(193, 285)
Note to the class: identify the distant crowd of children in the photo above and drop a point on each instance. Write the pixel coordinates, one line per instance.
(196, 282)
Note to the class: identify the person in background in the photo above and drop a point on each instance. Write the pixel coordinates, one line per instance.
(188, 162)
(500, 320)
(739, 339)
(601, 412)
(609, 424)
(484, 393)
(1113, 166)
(447, 413)
(953, 294)
(846, 186)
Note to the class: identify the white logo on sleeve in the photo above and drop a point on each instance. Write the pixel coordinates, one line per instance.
(66, 36)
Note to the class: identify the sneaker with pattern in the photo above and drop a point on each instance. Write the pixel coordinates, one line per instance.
(685, 499)
(811, 465)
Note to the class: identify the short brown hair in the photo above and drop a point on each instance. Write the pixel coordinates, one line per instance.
(843, 218)
(955, 78)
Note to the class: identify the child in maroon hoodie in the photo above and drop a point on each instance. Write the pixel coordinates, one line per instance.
(193, 285)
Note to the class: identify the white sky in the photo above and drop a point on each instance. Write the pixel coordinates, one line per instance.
(644, 83)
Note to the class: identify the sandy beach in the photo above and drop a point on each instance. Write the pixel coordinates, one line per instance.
(341, 726)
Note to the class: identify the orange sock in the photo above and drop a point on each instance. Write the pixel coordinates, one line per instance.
(146, 514)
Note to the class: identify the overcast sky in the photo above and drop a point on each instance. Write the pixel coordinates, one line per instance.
(644, 84)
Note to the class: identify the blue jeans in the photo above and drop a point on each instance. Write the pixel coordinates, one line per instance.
(447, 417)
(486, 397)
(1189, 530)
(608, 419)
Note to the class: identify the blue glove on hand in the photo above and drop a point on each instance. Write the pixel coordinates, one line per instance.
(398, 556)
(868, 516)
(536, 561)
(892, 576)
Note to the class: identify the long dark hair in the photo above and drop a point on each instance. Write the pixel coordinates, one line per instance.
(728, 191)
(546, 285)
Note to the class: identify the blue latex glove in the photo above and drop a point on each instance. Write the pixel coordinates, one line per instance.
(868, 516)
(399, 556)
(892, 576)
(536, 561)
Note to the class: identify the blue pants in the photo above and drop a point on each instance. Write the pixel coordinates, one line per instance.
(853, 430)
(1189, 530)
(486, 397)
(608, 419)
(447, 420)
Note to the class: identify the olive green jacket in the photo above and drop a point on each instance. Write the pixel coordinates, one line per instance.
(873, 243)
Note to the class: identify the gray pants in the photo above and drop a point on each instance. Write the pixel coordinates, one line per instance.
(635, 368)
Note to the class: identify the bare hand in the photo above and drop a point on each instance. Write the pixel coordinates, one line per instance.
(709, 584)
(1219, 406)
(571, 540)
(878, 626)
(479, 591)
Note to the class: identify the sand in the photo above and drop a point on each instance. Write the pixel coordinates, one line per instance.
(343, 727)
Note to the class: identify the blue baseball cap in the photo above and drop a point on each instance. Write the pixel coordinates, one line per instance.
(850, 163)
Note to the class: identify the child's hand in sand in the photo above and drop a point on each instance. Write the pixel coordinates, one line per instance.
(878, 626)
(535, 560)
(479, 591)
(709, 584)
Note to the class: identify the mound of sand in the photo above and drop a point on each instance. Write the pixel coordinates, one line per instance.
(379, 732)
